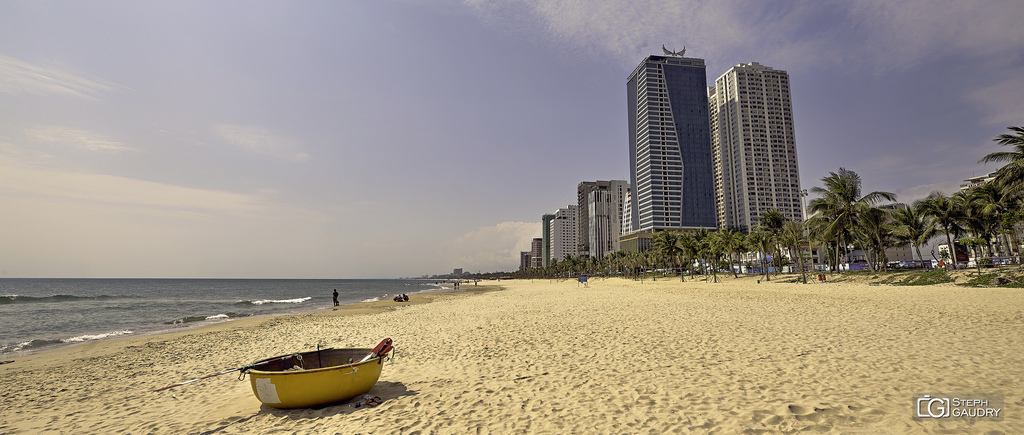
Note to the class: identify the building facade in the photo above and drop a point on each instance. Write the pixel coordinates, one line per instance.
(610, 196)
(670, 159)
(564, 233)
(583, 191)
(976, 181)
(754, 146)
(627, 213)
(537, 252)
(604, 215)
(545, 231)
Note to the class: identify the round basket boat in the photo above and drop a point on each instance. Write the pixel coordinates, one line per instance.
(315, 378)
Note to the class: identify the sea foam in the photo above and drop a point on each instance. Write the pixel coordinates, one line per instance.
(281, 301)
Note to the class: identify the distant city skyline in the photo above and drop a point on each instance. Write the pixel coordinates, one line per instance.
(387, 139)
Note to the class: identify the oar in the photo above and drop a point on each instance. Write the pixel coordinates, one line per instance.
(382, 349)
(246, 367)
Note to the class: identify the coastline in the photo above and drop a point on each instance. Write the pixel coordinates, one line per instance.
(60, 354)
(554, 357)
(46, 314)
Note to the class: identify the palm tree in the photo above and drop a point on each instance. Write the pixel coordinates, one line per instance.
(817, 226)
(688, 251)
(910, 226)
(764, 242)
(716, 248)
(947, 214)
(981, 225)
(992, 200)
(701, 248)
(772, 221)
(874, 226)
(572, 264)
(733, 244)
(841, 203)
(793, 237)
(975, 245)
(666, 244)
(1011, 175)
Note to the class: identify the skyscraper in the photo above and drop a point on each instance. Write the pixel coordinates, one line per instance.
(563, 231)
(605, 213)
(537, 252)
(670, 160)
(545, 224)
(754, 146)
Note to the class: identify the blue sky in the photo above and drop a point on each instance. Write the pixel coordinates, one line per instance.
(357, 139)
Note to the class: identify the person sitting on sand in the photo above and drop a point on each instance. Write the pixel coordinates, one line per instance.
(405, 297)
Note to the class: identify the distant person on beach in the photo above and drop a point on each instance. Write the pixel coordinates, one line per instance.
(336, 297)
(405, 297)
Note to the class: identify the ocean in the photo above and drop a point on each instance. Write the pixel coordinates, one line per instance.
(40, 314)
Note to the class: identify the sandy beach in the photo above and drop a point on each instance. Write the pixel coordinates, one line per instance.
(542, 356)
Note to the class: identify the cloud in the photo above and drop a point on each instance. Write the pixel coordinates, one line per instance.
(137, 196)
(17, 77)
(901, 34)
(492, 248)
(261, 141)
(878, 35)
(1000, 101)
(911, 194)
(82, 139)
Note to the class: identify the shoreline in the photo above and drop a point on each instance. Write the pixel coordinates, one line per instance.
(549, 356)
(60, 353)
(55, 340)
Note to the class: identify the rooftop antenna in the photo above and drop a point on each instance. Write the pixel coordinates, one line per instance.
(668, 52)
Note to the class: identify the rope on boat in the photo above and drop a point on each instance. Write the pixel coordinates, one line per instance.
(244, 369)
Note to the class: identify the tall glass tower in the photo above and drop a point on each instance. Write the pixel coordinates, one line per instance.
(670, 159)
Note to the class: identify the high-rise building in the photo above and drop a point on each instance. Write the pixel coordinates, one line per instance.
(582, 193)
(610, 194)
(537, 252)
(670, 160)
(564, 228)
(627, 213)
(754, 146)
(604, 213)
(525, 260)
(545, 223)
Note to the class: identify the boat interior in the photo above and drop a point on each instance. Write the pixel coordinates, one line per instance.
(313, 360)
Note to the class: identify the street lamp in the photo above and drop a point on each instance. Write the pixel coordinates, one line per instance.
(803, 207)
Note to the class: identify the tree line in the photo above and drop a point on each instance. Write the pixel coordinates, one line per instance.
(985, 219)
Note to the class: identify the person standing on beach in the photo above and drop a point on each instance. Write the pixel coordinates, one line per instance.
(335, 297)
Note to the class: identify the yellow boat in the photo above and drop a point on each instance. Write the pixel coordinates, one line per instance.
(316, 378)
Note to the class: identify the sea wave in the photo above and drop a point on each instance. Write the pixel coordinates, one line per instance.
(16, 299)
(193, 319)
(275, 301)
(44, 342)
(371, 299)
(89, 337)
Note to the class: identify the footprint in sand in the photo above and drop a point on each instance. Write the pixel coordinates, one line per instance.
(803, 413)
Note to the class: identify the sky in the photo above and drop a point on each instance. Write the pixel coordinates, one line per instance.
(385, 139)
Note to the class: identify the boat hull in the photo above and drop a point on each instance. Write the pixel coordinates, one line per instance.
(317, 378)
